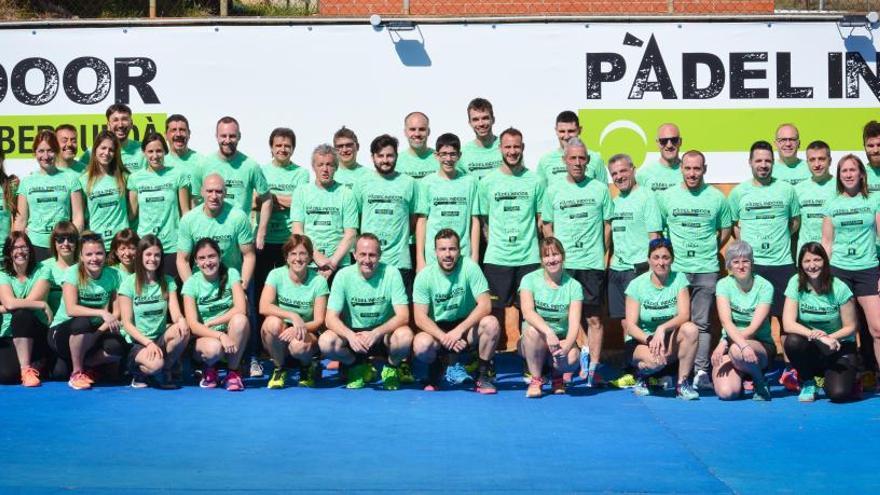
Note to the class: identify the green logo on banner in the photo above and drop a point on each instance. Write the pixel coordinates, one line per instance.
(634, 131)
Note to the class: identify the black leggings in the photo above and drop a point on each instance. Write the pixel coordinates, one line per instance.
(59, 339)
(24, 324)
(839, 368)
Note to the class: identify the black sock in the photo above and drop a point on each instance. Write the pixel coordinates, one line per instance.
(483, 366)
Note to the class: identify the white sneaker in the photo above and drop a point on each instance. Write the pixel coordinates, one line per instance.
(256, 368)
(702, 380)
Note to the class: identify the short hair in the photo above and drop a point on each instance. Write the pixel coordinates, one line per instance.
(48, 137)
(620, 157)
(568, 117)
(283, 132)
(658, 243)
(117, 108)
(345, 132)
(448, 139)
(296, 240)
(510, 131)
(825, 281)
(738, 249)
(125, 237)
(549, 243)
(64, 228)
(325, 149)
(226, 119)
(759, 145)
(871, 130)
(383, 141)
(447, 234)
(176, 117)
(695, 153)
(863, 174)
(65, 127)
(481, 105)
(8, 264)
(411, 114)
(574, 142)
(154, 136)
(370, 237)
(819, 145)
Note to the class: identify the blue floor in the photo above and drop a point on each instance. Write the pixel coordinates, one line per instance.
(116, 439)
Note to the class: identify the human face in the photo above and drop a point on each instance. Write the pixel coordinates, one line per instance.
(92, 257)
(512, 150)
(151, 258)
(119, 123)
(819, 161)
(177, 134)
(566, 131)
(850, 176)
(282, 149)
(576, 159)
(214, 192)
(623, 175)
(126, 253)
(68, 143)
(660, 261)
(669, 142)
(448, 157)
(65, 245)
(155, 154)
(20, 254)
(448, 252)
(787, 141)
(44, 154)
(385, 160)
(741, 268)
(481, 121)
(325, 168)
(227, 138)
(761, 164)
(812, 265)
(298, 259)
(552, 260)
(208, 261)
(366, 254)
(417, 131)
(104, 153)
(872, 151)
(693, 169)
(347, 150)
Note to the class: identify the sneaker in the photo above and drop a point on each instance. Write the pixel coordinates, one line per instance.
(30, 377)
(406, 374)
(789, 379)
(762, 392)
(594, 379)
(641, 388)
(358, 376)
(624, 381)
(685, 391)
(485, 386)
(430, 388)
(138, 380)
(234, 382)
(390, 377)
(534, 391)
(557, 385)
(808, 391)
(702, 380)
(526, 377)
(256, 369)
(585, 361)
(309, 375)
(209, 378)
(456, 374)
(278, 379)
(91, 376)
(79, 381)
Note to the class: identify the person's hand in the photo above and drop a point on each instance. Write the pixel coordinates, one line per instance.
(831, 344)
(153, 351)
(228, 344)
(718, 355)
(48, 311)
(260, 241)
(658, 346)
(357, 344)
(748, 354)
(111, 321)
(299, 329)
(288, 334)
(815, 334)
(449, 340)
(183, 325)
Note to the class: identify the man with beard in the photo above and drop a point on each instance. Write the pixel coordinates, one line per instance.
(664, 173)
(180, 157)
(871, 142)
(120, 124)
(67, 141)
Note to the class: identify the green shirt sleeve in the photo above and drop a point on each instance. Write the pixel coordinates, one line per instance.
(724, 217)
(842, 292)
(297, 213)
(733, 204)
(546, 207)
(243, 232)
(422, 205)
(607, 206)
(337, 294)
(791, 290)
(349, 211)
(261, 186)
(184, 236)
(653, 218)
(421, 288)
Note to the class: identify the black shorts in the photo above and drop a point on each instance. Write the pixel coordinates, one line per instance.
(778, 276)
(59, 341)
(504, 282)
(377, 349)
(671, 367)
(618, 281)
(448, 326)
(593, 284)
(860, 282)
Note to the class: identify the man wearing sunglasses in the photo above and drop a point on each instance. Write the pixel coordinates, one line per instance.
(665, 172)
(788, 165)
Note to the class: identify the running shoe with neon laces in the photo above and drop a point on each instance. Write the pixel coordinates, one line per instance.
(406, 374)
(256, 368)
(702, 380)
(309, 375)
(138, 380)
(457, 374)
(789, 379)
(209, 378)
(278, 379)
(535, 388)
(390, 377)
(358, 376)
(30, 377)
(808, 391)
(641, 388)
(762, 392)
(79, 381)
(234, 382)
(685, 391)
(624, 381)
(557, 385)
(484, 385)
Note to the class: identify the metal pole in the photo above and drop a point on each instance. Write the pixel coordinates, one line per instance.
(224, 8)
(152, 9)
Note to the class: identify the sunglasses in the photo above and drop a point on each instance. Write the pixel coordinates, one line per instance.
(668, 140)
(61, 239)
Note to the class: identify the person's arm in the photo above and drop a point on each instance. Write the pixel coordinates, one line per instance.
(183, 200)
(547, 231)
(607, 234)
(631, 327)
(344, 247)
(21, 218)
(175, 311)
(183, 268)
(36, 299)
(848, 321)
(76, 210)
(736, 231)
(264, 201)
(527, 305)
(70, 293)
(281, 202)
(132, 204)
(828, 235)
(425, 323)
(269, 308)
(248, 261)
(723, 236)
(574, 326)
(192, 319)
(790, 322)
(421, 232)
(297, 228)
(794, 225)
(126, 307)
(239, 307)
(475, 238)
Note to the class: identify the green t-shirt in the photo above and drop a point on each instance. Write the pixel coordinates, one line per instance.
(284, 181)
(477, 160)
(297, 298)
(21, 289)
(657, 305)
(694, 219)
(636, 213)
(811, 198)
(186, 165)
(450, 296)
(363, 303)
(855, 231)
(873, 178)
(5, 214)
(793, 174)
(96, 293)
(551, 303)
(387, 206)
(210, 303)
(348, 177)
(132, 157)
(447, 204)
(242, 175)
(77, 167)
(659, 177)
(325, 214)
(551, 167)
(48, 200)
(578, 212)
(415, 165)
(158, 203)
(150, 307)
(820, 311)
(764, 214)
(55, 276)
(511, 203)
(231, 229)
(106, 206)
(744, 304)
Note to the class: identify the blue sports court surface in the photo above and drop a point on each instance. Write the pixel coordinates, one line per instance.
(121, 440)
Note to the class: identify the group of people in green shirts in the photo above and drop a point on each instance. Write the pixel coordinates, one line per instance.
(143, 253)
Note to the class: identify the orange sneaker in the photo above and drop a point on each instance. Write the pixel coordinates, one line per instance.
(91, 376)
(534, 391)
(30, 377)
(79, 381)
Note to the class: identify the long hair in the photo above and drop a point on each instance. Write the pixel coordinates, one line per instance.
(140, 271)
(863, 174)
(222, 270)
(824, 285)
(64, 228)
(7, 253)
(124, 237)
(87, 237)
(9, 183)
(115, 169)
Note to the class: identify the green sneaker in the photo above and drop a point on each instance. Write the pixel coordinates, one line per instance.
(406, 374)
(309, 375)
(278, 379)
(625, 381)
(762, 392)
(641, 388)
(390, 377)
(359, 375)
(808, 391)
